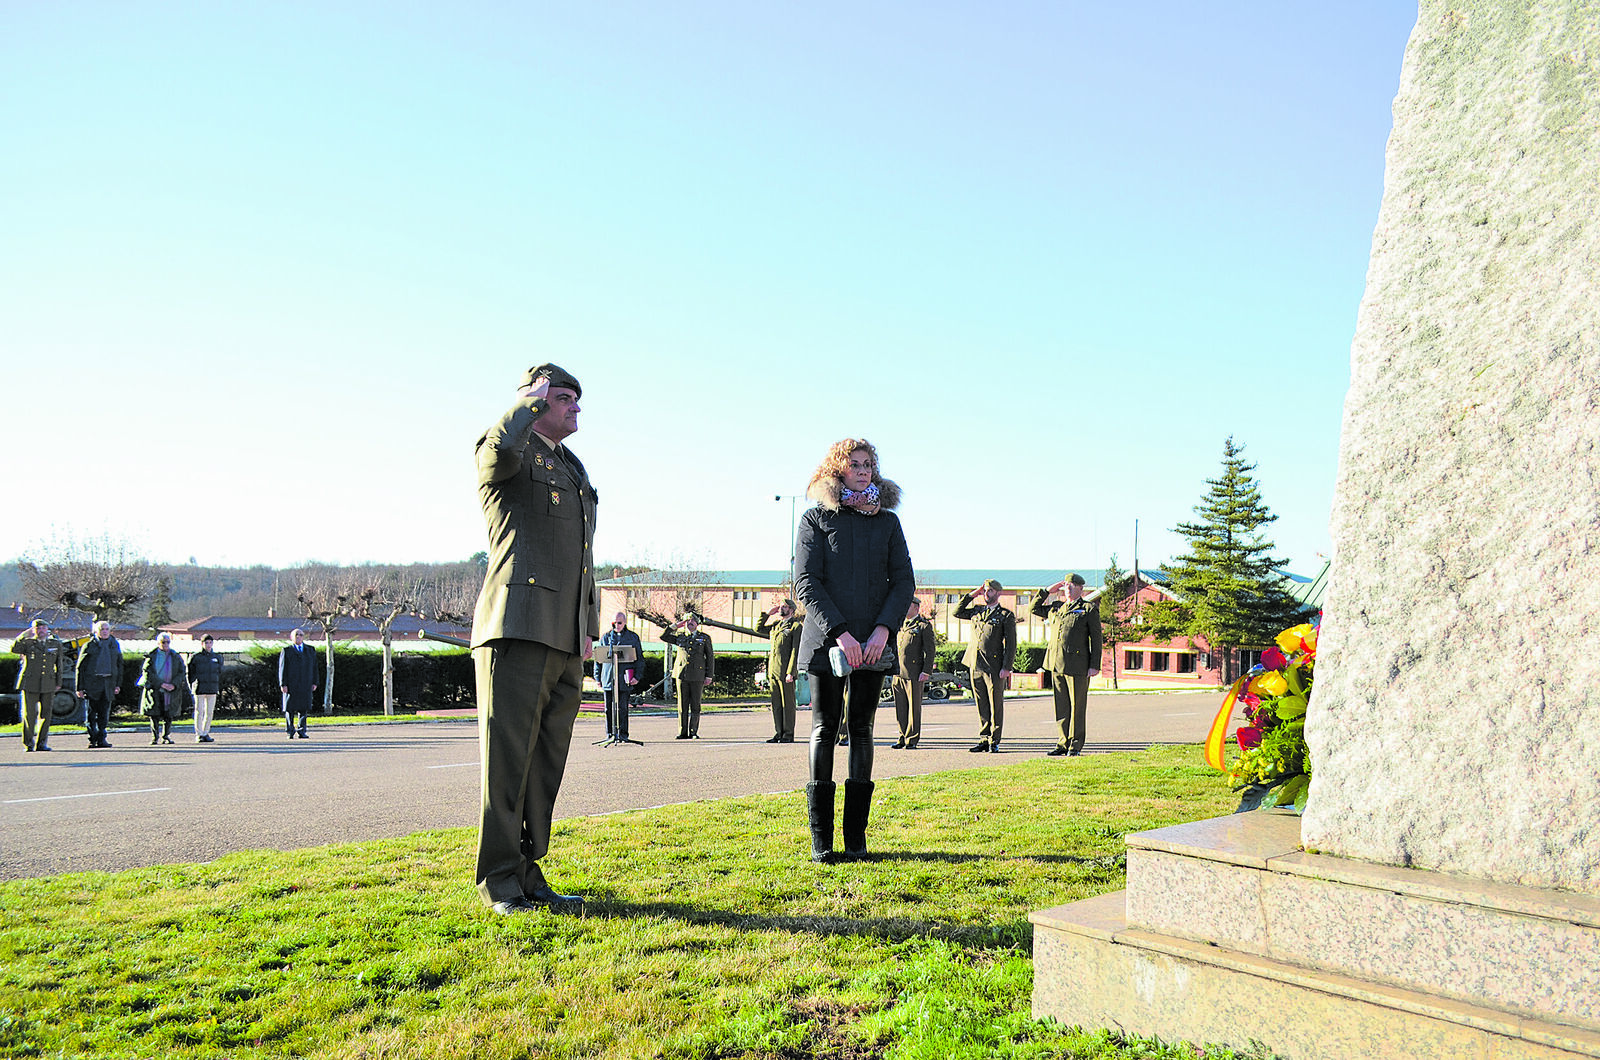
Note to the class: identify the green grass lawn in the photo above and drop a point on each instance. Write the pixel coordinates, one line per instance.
(709, 934)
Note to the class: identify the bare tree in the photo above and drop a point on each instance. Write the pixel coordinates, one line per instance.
(327, 598)
(453, 598)
(381, 601)
(101, 575)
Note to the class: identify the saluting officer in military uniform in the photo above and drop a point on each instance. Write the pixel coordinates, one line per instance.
(782, 665)
(693, 669)
(989, 656)
(915, 646)
(1072, 657)
(38, 679)
(537, 620)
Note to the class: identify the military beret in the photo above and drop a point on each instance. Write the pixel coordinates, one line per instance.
(557, 375)
(1077, 579)
(993, 583)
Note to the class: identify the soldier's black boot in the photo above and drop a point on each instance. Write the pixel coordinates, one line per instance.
(857, 804)
(819, 805)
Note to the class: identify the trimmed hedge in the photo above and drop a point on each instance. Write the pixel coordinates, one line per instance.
(1029, 658)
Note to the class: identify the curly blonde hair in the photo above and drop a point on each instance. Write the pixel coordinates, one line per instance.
(837, 460)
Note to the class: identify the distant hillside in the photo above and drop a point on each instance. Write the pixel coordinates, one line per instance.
(200, 591)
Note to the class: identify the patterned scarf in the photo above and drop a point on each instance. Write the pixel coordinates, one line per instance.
(864, 501)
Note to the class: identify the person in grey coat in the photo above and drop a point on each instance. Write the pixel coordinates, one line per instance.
(853, 576)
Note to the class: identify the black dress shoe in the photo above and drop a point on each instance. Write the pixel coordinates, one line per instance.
(984, 746)
(1074, 752)
(512, 906)
(994, 748)
(681, 736)
(1055, 752)
(776, 739)
(538, 891)
(302, 735)
(787, 739)
(898, 745)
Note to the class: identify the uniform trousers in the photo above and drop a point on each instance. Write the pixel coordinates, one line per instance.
(1071, 693)
(36, 707)
(689, 694)
(528, 699)
(989, 690)
(205, 705)
(782, 694)
(908, 708)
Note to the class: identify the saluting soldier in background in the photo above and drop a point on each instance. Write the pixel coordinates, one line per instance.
(693, 669)
(99, 681)
(989, 656)
(38, 679)
(915, 645)
(537, 620)
(782, 665)
(1072, 657)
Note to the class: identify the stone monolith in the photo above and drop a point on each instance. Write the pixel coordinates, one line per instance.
(1456, 719)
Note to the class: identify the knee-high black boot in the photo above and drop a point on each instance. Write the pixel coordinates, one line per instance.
(857, 804)
(819, 806)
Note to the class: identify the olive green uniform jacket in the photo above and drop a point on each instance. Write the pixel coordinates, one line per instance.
(784, 657)
(540, 508)
(695, 660)
(40, 667)
(915, 645)
(1074, 635)
(993, 647)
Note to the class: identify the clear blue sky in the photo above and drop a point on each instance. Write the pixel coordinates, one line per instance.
(268, 269)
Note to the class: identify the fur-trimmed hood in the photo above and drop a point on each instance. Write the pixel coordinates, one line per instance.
(828, 491)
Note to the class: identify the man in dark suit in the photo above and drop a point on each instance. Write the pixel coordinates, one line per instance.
(1072, 657)
(297, 680)
(989, 656)
(99, 681)
(537, 619)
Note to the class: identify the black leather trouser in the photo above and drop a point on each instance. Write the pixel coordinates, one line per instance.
(827, 707)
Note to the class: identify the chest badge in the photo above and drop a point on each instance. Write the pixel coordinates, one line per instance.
(555, 497)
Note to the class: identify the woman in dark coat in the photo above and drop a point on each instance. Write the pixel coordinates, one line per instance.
(166, 689)
(852, 574)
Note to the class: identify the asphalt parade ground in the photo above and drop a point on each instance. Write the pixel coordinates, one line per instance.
(74, 809)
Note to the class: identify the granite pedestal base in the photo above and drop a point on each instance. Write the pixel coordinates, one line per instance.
(1229, 933)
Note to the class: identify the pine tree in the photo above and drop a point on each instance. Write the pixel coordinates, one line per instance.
(1228, 586)
(1116, 584)
(160, 606)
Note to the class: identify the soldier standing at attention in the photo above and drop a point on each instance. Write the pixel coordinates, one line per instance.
(915, 645)
(1073, 656)
(38, 679)
(537, 620)
(205, 677)
(989, 656)
(99, 681)
(693, 669)
(782, 665)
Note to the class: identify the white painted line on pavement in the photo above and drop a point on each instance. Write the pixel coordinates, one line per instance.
(454, 765)
(87, 795)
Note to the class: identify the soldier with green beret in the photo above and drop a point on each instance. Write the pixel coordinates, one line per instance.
(990, 654)
(537, 620)
(1072, 657)
(694, 668)
(915, 645)
(783, 663)
(38, 679)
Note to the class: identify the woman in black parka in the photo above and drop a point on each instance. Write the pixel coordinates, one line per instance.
(852, 573)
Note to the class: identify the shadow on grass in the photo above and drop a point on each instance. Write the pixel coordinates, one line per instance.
(956, 859)
(1010, 933)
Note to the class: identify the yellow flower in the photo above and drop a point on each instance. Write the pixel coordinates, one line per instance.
(1270, 683)
(1301, 638)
